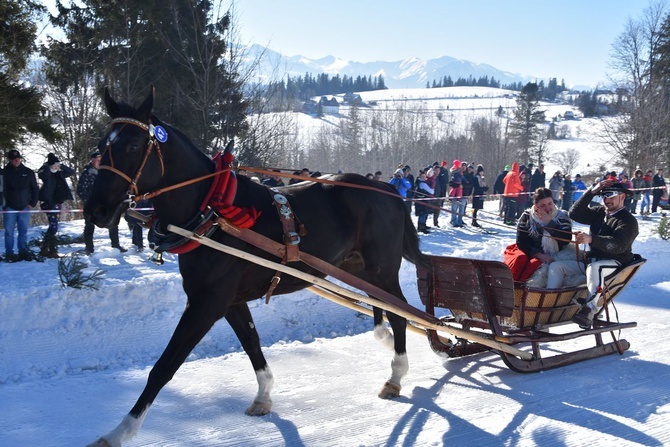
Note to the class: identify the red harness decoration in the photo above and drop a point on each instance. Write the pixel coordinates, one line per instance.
(222, 193)
(220, 198)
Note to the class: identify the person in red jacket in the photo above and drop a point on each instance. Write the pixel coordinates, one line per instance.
(513, 187)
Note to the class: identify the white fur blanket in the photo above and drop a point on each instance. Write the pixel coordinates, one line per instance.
(539, 278)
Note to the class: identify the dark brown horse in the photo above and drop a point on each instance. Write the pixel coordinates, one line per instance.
(362, 231)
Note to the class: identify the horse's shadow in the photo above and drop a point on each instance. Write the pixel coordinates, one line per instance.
(586, 408)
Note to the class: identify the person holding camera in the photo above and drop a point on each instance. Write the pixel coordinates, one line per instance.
(53, 193)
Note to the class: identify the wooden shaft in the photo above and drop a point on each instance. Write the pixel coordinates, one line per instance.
(457, 332)
(337, 299)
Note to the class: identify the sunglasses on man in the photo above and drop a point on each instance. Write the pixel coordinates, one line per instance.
(610, 194)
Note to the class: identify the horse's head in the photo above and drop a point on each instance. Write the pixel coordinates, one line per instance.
(131, 162)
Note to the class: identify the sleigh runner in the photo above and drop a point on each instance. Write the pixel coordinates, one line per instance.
(482, 296)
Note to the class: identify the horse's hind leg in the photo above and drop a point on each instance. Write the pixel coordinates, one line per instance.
(195, 322)
(397, 340)
(239, 318)
(399, 364)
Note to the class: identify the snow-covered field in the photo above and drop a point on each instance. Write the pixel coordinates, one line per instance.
(72, 363)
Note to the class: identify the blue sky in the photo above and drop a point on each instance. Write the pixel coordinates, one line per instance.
(570, 39)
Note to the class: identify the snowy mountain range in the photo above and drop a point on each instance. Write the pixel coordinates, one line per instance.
(408, 73)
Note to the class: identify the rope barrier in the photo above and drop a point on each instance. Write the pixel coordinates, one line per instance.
(55, 211)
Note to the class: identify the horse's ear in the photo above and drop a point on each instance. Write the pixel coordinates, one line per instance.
(110, 105)
(230, 147)
(144, 111)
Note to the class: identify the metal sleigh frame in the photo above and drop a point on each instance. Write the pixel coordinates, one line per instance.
(488, 310)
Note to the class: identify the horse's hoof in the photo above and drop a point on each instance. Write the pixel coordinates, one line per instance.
(390, 391)
(100, 443)
(259, 408)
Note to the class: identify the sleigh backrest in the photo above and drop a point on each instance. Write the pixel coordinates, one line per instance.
(473, 286)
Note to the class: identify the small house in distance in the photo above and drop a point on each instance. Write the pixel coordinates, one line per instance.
(329, 106)
(352, 99)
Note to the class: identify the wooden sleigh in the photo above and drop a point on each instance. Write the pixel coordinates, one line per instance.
(488, 311)
(482, 297)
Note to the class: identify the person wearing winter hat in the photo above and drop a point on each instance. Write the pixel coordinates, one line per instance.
(612, 231)
(401, 184)
(53, 193)
(513, 188)
(84, 187)
(480, 188)
(20, 190)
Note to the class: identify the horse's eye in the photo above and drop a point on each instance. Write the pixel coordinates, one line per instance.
(133, 146)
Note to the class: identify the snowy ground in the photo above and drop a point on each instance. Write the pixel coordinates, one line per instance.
(73, 362)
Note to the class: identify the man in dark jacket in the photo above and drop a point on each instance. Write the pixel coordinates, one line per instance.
(53, 193)
(84, 187)
(499, 188)
(441, 186)
(20, 191)
(538, 180)
(658, 183)
(612, 232)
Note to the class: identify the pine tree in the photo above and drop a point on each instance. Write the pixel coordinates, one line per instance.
(178, 46)
(526, 124)
(21, 105)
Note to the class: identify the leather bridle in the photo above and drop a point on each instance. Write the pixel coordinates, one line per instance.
(133, 192)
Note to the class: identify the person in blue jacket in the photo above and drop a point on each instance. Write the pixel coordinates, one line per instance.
(580, 187)
(402, 185)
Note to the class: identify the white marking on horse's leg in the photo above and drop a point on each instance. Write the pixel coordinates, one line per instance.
(262, 402)
(399, 368)
(383, 335)
(128, 427)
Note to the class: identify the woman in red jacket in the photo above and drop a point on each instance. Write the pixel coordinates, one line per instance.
(513, 187)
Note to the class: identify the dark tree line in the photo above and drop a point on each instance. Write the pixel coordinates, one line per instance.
(548, 92)
(302, 88)
(470, 81)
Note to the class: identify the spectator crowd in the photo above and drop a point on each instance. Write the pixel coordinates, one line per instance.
(442, 186)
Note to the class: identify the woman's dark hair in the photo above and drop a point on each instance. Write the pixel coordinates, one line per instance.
(542, 193)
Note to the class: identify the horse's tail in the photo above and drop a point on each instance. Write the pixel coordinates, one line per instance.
(410, 243)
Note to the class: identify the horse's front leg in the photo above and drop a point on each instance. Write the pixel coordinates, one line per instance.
(239, 318)
(195, 322)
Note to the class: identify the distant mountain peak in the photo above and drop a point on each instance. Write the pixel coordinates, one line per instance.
(411, 72)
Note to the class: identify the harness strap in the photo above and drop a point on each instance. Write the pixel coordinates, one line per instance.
(279, 249)
(291, 237)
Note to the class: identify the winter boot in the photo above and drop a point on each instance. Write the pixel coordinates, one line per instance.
(584, 317)
(424, 229)
(53, 252)
(48, 249)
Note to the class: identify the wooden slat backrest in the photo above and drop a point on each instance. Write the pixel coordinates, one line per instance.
(467, 285)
